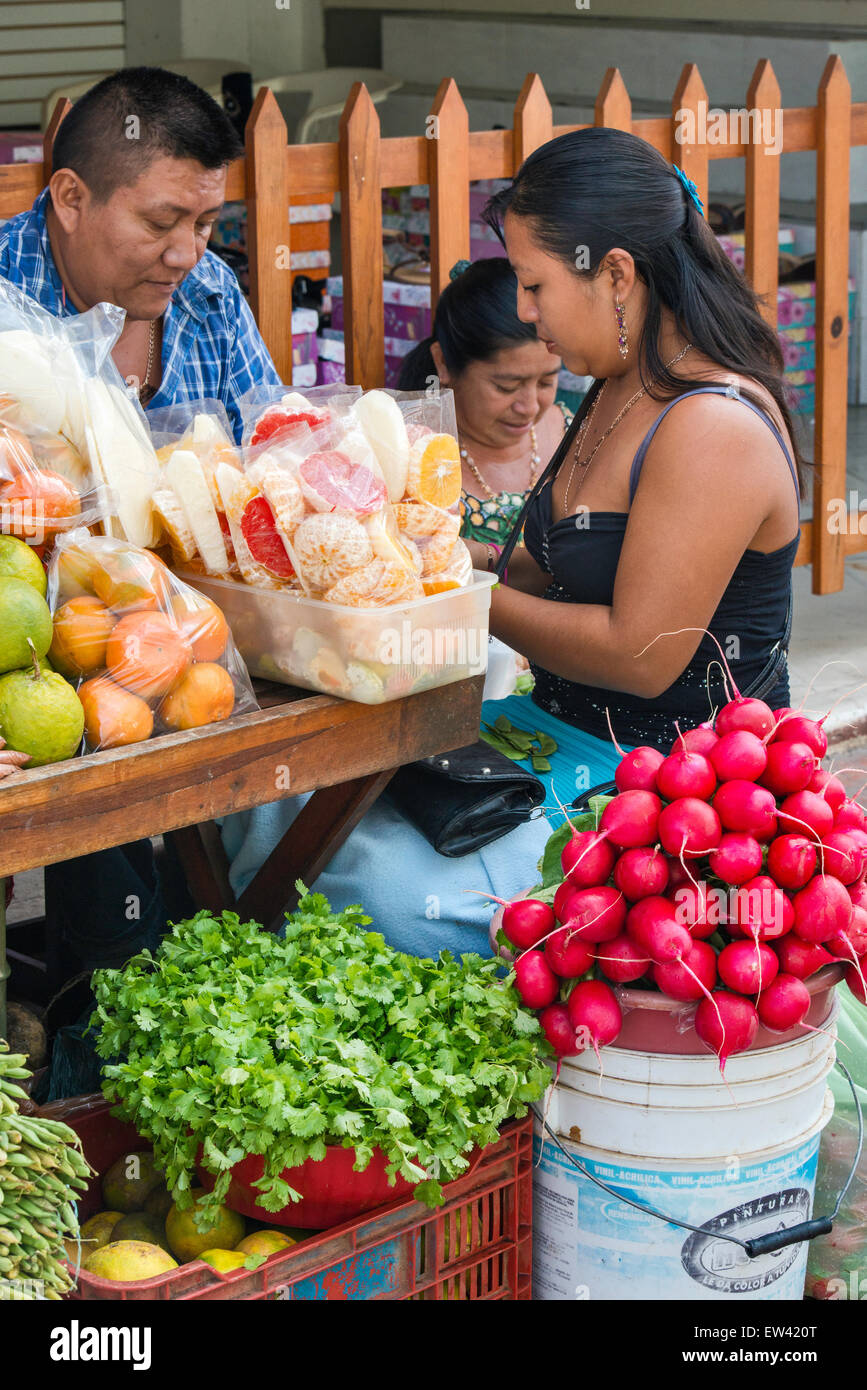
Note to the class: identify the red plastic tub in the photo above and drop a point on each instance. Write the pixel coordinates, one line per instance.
(331, 1190)
(650, 1020)
(476, 1247)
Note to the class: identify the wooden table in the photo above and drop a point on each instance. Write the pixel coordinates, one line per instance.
(176, 784)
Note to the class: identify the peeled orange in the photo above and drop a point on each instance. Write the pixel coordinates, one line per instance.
(435, 471)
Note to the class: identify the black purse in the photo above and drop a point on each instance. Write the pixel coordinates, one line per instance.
(465, 799)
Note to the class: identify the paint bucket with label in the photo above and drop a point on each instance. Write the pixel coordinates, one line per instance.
(664, 1130)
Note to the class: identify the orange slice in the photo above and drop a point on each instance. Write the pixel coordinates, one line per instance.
(375, 586)
(455, 574)
(435, 471)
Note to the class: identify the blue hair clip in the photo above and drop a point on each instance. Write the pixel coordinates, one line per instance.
(690, 187)
(458, 269)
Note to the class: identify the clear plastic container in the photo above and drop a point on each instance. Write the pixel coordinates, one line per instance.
(365, 654)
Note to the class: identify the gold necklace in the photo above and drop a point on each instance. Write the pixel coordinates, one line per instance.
(535, 460)
(152, 337)
(585, 424)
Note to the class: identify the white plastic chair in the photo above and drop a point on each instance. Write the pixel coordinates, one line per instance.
(328, 89)
(205, 72)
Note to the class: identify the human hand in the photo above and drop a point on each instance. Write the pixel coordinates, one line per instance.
(496, 923)
(10, 761)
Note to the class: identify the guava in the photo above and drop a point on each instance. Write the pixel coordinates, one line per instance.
(24, 618)
(40, 714)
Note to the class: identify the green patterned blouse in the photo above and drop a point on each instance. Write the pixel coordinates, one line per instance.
(491, 518)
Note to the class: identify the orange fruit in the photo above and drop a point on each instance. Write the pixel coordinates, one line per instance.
(205, 695)
(113, 716)
(438, 584)
(147, 654)
(15, 450)
(81, 629)
(435, 471)
(130, 581)
(37, 504)
(75, 571)
(202, 623)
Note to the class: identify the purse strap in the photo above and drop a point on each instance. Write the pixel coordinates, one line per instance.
(546, 476)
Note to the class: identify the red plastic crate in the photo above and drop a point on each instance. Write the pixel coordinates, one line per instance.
(477, 1246)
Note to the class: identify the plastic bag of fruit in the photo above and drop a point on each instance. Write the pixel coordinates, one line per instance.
(363, 516)
(193, 442)
(269, 412)
(414, 436)
(150, 655)
(74, 445)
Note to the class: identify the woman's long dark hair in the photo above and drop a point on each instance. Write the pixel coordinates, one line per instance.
(476, 316)
(599, 188)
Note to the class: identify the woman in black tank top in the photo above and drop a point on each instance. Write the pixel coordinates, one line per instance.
(672, 505)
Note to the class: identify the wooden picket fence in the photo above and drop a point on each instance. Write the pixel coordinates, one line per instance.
(448, 156)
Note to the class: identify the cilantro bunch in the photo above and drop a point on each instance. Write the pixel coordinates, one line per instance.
(245, 1043)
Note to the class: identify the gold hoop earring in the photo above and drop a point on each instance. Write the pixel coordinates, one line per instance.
(622, 335)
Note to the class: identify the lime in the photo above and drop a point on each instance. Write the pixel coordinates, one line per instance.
(40, 713)
(23, 614)
(18, 560)
(187, 1241)
(224, 1260)
(128, 1260)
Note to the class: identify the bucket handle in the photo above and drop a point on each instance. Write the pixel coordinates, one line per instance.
(759, 1245)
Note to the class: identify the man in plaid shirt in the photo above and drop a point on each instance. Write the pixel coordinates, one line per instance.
(140, 174)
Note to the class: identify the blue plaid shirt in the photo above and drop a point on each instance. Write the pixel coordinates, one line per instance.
(212, 349)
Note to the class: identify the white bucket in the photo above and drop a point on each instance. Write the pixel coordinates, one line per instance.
(665, 1131)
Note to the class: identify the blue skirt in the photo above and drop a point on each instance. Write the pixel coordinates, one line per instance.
(421, 901)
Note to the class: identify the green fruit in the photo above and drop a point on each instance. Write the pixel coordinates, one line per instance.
(129, 1182)
(24, 615)
(159, 1203)
(18, 560)
(40, 714)
(128, 1260)
(141, 1225)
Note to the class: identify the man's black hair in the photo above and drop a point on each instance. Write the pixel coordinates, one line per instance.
(129, 119)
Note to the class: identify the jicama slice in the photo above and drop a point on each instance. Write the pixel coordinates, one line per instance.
(171, 515)
(380, 417)
(184, 474)
(122, 453)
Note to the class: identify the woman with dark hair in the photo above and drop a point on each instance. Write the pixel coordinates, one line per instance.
(504, 382)
(674, 505)
(673, 508)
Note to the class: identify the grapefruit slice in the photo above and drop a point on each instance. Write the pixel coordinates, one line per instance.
(278, 418)
(332, 482)
(259, 530)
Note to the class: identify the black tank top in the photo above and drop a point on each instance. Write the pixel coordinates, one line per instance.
(756, 608)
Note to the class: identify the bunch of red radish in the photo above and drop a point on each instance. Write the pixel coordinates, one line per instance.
(737, 835)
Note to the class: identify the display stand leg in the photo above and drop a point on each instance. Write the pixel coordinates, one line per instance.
(5, 970)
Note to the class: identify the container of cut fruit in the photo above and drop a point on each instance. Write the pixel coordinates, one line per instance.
(330, 540)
